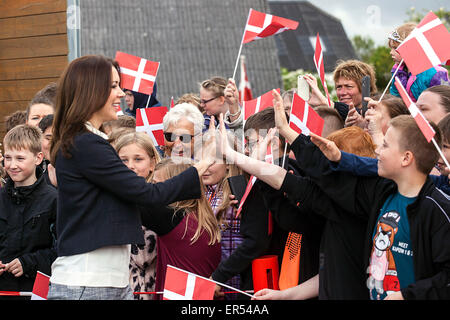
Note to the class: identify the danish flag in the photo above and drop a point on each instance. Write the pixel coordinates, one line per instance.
(40, 287)
(252, 180)
(427, 46)
(137, 74)
(423, 124)
(303, 119)
(245, 90)
(184, 285)
(150, 120)
(260, 25)
(318, 61)
(262, 102)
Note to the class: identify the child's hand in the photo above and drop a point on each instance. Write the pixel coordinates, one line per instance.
(233, 202)
(268, 294)
(14, 267)
(328, 147)
(52, 174)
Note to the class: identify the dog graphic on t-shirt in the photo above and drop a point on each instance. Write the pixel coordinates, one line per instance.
(382, 270)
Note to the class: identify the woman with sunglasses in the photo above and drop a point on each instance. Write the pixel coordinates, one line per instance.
(181, 125)
(98, 196)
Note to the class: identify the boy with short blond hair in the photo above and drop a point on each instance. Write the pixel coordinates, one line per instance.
(27, 212)
(406, 251)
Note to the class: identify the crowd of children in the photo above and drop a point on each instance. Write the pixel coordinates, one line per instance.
(98, 207)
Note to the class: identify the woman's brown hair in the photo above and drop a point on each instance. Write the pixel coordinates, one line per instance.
(83, 89)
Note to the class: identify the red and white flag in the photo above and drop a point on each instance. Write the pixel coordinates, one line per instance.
(150, 120)
(184, 285)
(262, 102)
(260, 25)
(172, 103)
(427, 46)
(252, 180)
(423, 124)
(245, 90)
(40, 287)
(137, 74)
(318, 61)
(303, 119)
(250, 184)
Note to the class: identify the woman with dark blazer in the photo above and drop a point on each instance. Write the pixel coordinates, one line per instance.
(98, 196)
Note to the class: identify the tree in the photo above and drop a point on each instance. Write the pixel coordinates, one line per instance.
(379, 57)
(442, 14)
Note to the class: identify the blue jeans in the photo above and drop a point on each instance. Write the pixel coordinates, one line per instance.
(63, 292)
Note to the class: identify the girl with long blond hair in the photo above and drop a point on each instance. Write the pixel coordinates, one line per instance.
(138, 153)
(188, 231)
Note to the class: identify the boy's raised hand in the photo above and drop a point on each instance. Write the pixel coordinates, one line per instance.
(281, 120)
(328, 147)
(223, 145)
(280, 114)
(260, 151)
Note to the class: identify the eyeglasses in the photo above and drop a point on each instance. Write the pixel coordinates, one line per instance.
(202, 101)
(172, 137)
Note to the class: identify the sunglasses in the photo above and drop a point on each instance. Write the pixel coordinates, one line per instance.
(172, 137)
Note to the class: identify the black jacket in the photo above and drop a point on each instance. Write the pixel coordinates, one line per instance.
(256, 240)
(98, 197)
(27, 231)
(428, 218)
(315, 215)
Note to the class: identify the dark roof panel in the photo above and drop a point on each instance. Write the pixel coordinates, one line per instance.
(193, 40)
(295, 48)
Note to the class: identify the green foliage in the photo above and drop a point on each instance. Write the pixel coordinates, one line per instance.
(442, 14)
(379, 57)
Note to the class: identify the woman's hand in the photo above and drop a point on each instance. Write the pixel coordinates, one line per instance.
(231, 94)
(354, 118)
(14, 267)
(316, 97)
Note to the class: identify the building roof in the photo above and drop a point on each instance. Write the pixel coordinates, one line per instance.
(296, 48)
(193, 40)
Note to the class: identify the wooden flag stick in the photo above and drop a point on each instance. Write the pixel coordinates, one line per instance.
(389, 84)
(217, 282)
(285, 140)
(15, 293)
(240, 47)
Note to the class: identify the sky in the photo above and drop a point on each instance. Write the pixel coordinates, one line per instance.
(374, 18)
